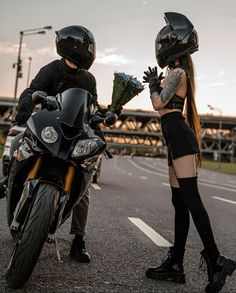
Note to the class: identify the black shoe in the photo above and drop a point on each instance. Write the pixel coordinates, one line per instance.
(169, 270)
(217, 275)
(78, 251)
(3, 187)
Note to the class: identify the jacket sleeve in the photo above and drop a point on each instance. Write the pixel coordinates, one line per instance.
(93, 90)
(41, 82)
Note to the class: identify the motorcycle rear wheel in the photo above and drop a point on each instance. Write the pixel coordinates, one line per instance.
(32, 236)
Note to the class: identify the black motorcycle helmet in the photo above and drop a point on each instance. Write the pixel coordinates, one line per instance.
(177, 39)
(77, 44)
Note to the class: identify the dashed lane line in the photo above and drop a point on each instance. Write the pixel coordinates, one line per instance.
(217, 186)
(224, 199)
(95, 186)
(149, 232)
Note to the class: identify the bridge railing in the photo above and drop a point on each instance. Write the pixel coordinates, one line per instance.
(141, 131)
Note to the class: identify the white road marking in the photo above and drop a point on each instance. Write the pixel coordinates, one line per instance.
(219, 187)
(149, 232)
(223, 184)
(143, 177)
(166, 184)
(95, 186)
(153, 167)
(148, 171)
(224, 199)
(166, 176)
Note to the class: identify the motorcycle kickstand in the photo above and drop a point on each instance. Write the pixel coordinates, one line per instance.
(57, 251)
(53, 240)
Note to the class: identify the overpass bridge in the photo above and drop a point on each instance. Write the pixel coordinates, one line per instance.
(139, 131)
(142, 129)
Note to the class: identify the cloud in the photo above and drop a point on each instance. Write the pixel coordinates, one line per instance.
(47, 51)
(12, 49)
(107, 57)
(7, 48)
(217, 84)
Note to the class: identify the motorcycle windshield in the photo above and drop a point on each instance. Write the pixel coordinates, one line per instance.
(70, 122)
(75, 106)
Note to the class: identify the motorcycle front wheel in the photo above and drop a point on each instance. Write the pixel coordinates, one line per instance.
(33, 235)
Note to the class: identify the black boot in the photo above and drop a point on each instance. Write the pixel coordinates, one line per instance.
(3, 187)
(171, 268)
(217, 271)
(78, 250)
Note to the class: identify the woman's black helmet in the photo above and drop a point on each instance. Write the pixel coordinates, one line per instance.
(177, 39)
(77, 44)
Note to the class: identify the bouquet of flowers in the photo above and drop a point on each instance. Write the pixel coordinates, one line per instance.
(125, 87)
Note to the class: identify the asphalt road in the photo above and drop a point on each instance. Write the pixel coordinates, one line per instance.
(131, 192)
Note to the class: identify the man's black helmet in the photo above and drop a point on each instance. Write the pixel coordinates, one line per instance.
(177, 39)
(77, 44)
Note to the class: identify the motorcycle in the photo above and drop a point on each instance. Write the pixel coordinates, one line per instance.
(49, 174)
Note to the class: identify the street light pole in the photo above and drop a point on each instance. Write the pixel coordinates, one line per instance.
(18, 64)
(219, 132)
(28, 73)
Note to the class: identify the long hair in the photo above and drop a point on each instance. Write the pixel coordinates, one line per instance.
(191, 113)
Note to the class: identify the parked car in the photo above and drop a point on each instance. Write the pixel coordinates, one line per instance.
(13, 131)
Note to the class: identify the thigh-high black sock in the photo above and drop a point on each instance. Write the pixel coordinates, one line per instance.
(182, 221)
(192, 199)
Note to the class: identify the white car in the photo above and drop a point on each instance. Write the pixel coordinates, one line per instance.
(13, 131)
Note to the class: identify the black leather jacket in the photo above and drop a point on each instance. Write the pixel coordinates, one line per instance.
(54, 78)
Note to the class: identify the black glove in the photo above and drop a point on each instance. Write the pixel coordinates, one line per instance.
(153, 79)
(110, 119)
(150, 74)
(22, 117)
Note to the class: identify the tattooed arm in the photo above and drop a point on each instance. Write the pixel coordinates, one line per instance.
(170, 86)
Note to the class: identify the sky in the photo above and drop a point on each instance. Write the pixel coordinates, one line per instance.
(125, 33)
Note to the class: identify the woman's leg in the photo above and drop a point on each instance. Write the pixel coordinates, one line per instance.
(219, 267)
(182, 218)
(172, 267)
(186, 172)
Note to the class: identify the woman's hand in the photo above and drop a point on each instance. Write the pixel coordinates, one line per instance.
(151, 77)
(150, 74)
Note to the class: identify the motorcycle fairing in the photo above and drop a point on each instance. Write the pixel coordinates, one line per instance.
(72, 118)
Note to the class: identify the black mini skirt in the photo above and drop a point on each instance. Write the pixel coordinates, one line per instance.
(180, 139)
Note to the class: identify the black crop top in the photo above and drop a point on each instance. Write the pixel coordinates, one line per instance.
(176, 102)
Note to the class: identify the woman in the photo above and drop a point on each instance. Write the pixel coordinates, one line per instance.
(174, 45)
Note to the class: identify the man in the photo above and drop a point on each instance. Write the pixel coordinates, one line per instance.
(76, 45)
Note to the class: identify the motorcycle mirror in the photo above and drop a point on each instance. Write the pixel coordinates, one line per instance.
(38, 97)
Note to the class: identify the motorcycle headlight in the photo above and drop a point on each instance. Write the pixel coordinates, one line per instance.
(49, 134)
(86, 146)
